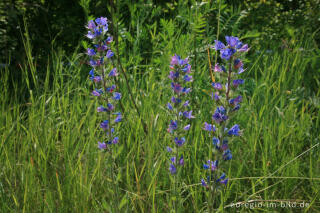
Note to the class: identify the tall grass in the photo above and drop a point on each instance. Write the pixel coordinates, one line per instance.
(49, 156)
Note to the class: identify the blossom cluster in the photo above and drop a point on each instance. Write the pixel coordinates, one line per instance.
(103, 76)
(228, 102)
(178, 107)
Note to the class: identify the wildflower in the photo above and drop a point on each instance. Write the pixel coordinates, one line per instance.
(187, 127)
(113, 72)
(169, 149)
(91, 73)
(203, 183)
(234, 130)
(115, 140)
(215, 141)
(110, 89)
(186, 103)
(97, 92)
(187, 78)
(116, 96)
(227, 53)
(217, 86)
(181, 161)
(173, 126)
(104, 125)
(173, 75)
(102, 145)
(118, 118)
(92, 63)
(227, 155)
(176, 87)
(188, 114)
(237, 63)
(110, 107)
(169, 106)
(232, 41)
(237, 82)
(219, 45)
(172, 169)
(101, 109)
(209, 127)
(109, 54)
(91, 52)
(179, 142)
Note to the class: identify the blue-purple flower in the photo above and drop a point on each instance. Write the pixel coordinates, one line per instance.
(234, 130)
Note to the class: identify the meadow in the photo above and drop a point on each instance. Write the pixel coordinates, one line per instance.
(49, 158)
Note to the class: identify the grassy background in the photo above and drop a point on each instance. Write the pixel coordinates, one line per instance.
(49, 156)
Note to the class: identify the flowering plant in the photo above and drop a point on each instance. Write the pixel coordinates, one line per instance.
(103, 76)
(228, 102)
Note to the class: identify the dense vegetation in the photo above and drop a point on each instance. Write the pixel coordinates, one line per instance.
(49, 129)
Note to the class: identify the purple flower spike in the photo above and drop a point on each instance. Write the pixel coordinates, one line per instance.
(169, 149)
(234, 130)
(172, 169)
(102, 145)
(169, 106)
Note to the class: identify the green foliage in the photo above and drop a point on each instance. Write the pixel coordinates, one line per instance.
(48, 132)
